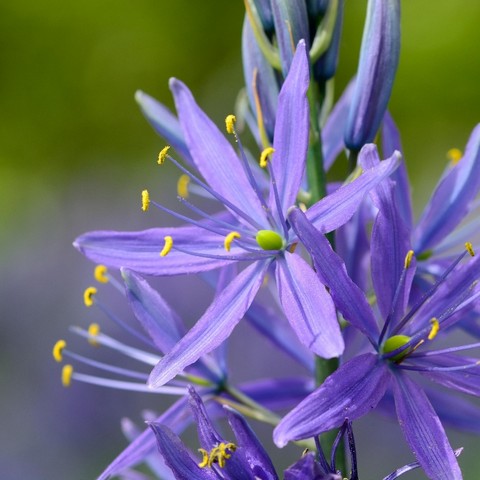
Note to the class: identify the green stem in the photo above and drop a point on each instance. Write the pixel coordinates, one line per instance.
(317, 181)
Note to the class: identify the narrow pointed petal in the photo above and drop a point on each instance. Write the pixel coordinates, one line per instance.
(389, 244)
(347, 296)
(308, 307)
(337, 208)
(275, 328)
(213, 327)
(140, 251)
(390, 143)
(291, 26)
(207, 433)
(466, 381)
(465, 416)
(376, 72)
(332, 133)
(350, 392)
(306, 468)
(154, 461)
(253, 451)
(177, 457)
(452, 198)
(352, 243)
(423, 431)
(291, 131)
(154, 314)
(213, 155)
(164, 122)
(178, 416)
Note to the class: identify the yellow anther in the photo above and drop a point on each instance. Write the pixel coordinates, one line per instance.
(100, 274)
(93, 331)
(67, 372)
(469, 248)
(264, 156)
(88, 295)
(408, 258)
(454, 155)
(305, 452)
(145, 200)
(227, 243)
(435, 328)
(163, 154)
(229, 123)
(182, 186)
(57, 350)
(167, 247)
(205, 458)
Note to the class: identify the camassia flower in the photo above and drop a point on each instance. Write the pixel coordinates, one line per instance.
(161, 328)
(398, 347)
(253, 228)
(246, 457)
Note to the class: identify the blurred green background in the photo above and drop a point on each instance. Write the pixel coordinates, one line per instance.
(75, 153)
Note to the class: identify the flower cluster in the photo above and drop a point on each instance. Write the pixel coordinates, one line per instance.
(336, 275)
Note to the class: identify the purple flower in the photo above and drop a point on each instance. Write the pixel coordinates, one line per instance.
(399, 347)
(160, 329)
(253, 228)
(437, 233)
(376, 72)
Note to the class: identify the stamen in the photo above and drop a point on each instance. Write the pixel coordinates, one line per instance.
(182, 186)
(109, 342)
(167, 247)
(106, 367)
(145, 200)
(88, 296)
(408, 258)
(205, 457)
(163, 154)
(93, 331)
(435, 328)
(215, 194)
(264, 156)
(258, 109)
(227, 243)
(454, 155)
(469, 248)
(257, 255)
(100, 274)
(58, 350)
(229, 123)
(67, 372)
(218, 454)
(131, 386)
(429, 293)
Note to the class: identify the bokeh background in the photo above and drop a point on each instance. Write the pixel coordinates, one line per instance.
(75, 152)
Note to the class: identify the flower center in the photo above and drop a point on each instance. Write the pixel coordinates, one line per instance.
(394, 343)
(269, 240)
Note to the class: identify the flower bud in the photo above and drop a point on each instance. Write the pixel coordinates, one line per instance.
(260, 80)
(376, 71)
(265, 13)
(326, 66)
(291, 25)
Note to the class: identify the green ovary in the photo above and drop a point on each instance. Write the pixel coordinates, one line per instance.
(269, 240)
(395, 342)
